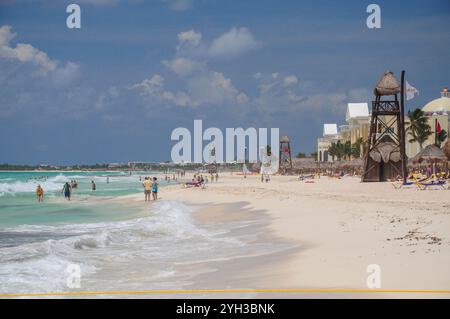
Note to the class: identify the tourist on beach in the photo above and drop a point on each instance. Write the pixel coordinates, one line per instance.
(93, 186)
(67, 189)
(107, 179)
(40, 194)
(155, 188)
(217, 177)
(147, 188)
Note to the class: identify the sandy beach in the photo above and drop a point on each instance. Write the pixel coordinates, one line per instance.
(332, 230)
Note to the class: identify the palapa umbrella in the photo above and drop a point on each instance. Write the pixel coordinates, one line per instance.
(430, 154)
(354, 163)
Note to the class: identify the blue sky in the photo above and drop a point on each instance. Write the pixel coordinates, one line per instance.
(114, 90)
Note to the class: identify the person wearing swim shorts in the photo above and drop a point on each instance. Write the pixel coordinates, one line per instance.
(147, 188)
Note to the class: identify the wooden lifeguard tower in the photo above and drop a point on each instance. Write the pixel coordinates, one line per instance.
(285, 164)
(385, 157)
(211, 165)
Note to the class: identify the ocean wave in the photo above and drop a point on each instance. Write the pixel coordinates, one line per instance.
(167, 235)
(51, 184)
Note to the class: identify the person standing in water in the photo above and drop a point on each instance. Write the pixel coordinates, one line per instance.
(40, 194)
(155, 189)
(93, 186)
(66, 190)
(107, 179)
(147, 188)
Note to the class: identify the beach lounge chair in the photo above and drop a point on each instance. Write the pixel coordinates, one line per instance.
(399, 184)
(425, 185)
(193, 184)
(303, 177)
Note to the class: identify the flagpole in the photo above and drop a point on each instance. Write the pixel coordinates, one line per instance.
(402, 127)
(435, 132)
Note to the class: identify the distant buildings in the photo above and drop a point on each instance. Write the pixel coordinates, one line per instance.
(358, 125)
(330, 135)
(358, 122)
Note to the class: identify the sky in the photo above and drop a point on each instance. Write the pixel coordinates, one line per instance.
(113, 90)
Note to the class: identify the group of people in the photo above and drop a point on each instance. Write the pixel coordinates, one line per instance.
(200, 181)
(150, 188)
(66, 190)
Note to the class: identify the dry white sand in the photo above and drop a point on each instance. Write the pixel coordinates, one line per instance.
(341, 226)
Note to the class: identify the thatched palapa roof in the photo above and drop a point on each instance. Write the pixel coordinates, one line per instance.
(385, 151)
(387, 85)
(430, 154)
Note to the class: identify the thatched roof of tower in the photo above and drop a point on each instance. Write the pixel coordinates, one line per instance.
(387, 85)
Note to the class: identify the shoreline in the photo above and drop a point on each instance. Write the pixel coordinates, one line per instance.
(342, 226)
(296, 235)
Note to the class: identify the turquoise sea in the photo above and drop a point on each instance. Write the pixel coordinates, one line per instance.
(18, 205)
(115, 243)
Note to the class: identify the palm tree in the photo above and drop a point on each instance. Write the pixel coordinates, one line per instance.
(356, 147)
(347, 150)
(419, 128)
(340, 150)
(333, 151)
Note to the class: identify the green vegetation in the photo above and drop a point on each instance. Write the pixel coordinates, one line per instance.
(440, 138)
(419, 129)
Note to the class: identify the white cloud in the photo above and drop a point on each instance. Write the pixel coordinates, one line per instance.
(275, 75)
(214, 88)
(233, 43)
(190, 36)
(24, 52)
(183, 66)
(151, 86)
(154, 88)
(66, 74)
(179, 99)
(290, 80)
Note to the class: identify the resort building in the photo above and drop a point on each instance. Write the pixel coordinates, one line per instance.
(358, 122)
(330, 135)
(436, 111)
(357, 127)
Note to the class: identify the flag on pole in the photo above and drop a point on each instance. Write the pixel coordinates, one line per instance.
(438, 127)
(411, 91)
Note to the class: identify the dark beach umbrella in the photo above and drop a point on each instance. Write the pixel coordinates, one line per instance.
(430, 154)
